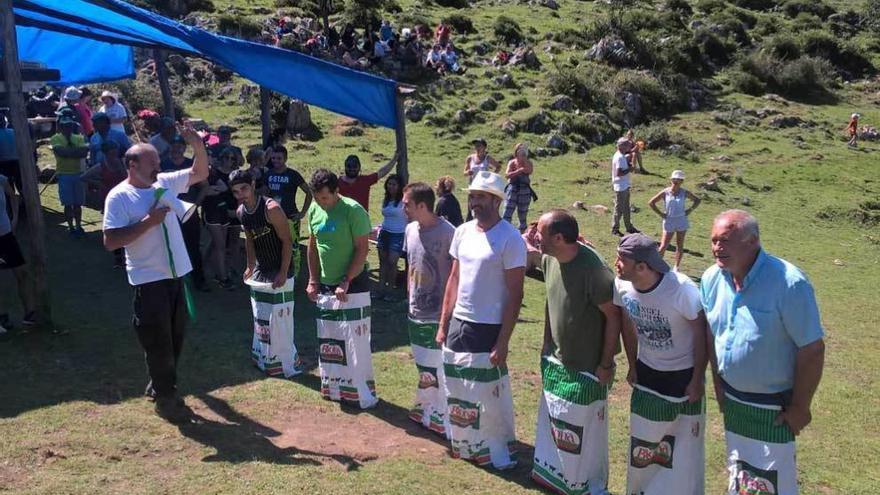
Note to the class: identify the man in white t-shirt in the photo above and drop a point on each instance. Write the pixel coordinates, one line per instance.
(156, 260)
(664, 334)
(620, 171)
(480, 308)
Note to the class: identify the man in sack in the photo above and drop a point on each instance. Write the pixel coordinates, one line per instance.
(767, 354)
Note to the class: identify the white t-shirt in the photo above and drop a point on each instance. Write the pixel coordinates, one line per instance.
(482, 259)
(666, 340)
(393, 218)
(146, 259)
(115, 111)
(619, 162)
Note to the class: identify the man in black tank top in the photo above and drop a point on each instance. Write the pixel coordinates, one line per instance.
(268, 241)
(270, 277)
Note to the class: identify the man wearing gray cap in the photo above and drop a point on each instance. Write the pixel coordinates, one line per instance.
(620, 170)
(664, 334)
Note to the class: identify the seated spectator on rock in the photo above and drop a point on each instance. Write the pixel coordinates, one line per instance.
(162, 139)
(442, 34)
(386, 32)
(410, 50)
(348, 37)
(434, 59)
(450, 58)
(114, 110)
(501, 58)
(424, 33)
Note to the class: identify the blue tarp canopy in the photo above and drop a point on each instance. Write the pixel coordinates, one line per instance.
(91, 41)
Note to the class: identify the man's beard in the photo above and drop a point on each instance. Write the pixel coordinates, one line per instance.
(352, 174)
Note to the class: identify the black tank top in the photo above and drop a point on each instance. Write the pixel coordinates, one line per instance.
(267, 245)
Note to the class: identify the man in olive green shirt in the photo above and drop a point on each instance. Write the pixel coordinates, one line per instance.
(581, 324)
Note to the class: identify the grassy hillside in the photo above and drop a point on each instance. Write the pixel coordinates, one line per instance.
(72, 418)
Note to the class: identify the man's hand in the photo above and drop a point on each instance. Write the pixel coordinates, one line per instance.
(605, 375)
(532, 239)
(498, 356)
(342, 291)
(156, 215)
(695, 389)
(248, 273)
(188, 133)
(796, 417)
(547, 348)
(280, 280)
(440, 338)
(312, 291)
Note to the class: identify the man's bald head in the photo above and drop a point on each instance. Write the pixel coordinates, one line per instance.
(138, 153)
(142, 161)
(559, 221)
(741, 221)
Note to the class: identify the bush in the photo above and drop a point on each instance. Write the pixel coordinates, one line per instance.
(793, 8)
(455, 4)
(761, 5)
(507, 30)
(238, 26)
(519, 104)
(572, 37)
(411, 19)
(871, 19)
(731, 26)
(805, 76)
(658, 98)
(719, 51)
(462, 24)
(707, 7)
(845, 57)
(783, 47)
(681, 55)
(682, 7)
(583, 84)
(746, 83)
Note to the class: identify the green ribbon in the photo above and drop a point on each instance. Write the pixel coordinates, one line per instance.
(187, 292)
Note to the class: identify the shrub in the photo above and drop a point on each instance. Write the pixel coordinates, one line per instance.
(658, 98)
(572, 37)
(462, 24)
(238, 26)
(762, 5)
(681, 55)
(507, 30)
(583, 84)
(871, 19)
(805, 76)
(731, 26)
(845, 57)
(683, 7)
(793, 8)
(411, 19)
(455, 4)
(707, 7)
(806, 22)
(519, 104)
(783, 47)
(719, 51)
(744, 82)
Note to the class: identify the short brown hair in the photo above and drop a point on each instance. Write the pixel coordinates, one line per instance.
(445, 183)
(420, 192)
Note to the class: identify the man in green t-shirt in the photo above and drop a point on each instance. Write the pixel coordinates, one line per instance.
(70, 149)
(338, 231)
(581, 335)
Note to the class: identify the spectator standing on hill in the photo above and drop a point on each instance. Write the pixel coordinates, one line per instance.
(283, 183)
(675, 215)
(356, 186)
(620, 183)
(84, 110)
(448, 207)
(156, 261)
(480, 160)
(767, 353)
(114, 110)
(70, 150)
(853, 130)
(519, 188)
(389, 243)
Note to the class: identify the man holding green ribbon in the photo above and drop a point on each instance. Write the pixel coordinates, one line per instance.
(156, 261)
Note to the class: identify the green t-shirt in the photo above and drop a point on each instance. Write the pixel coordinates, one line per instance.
(574, 292)
(67, 165)
(335, 231)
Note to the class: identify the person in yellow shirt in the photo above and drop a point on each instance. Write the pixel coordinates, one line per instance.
(70, 149)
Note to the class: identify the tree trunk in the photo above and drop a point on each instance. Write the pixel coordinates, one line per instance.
(164, 85)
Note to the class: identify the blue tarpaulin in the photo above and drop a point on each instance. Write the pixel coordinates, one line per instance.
(90, 41)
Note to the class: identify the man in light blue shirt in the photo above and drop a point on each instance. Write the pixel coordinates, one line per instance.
(768, 350)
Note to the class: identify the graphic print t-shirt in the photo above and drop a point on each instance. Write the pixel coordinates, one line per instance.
(666, 341)
(429, 262)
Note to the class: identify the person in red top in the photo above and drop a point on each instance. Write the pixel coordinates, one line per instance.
(356, 186)
(441, 34)
(853, 130)
(84, 109)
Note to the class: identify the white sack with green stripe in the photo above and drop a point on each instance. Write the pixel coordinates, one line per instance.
(344, 356)
(571, 440)
(479, 410)
(430, 405)
(667, 444)
(273, 349)
(760, 454)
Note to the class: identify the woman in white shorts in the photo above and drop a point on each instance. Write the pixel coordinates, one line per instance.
(675, 216)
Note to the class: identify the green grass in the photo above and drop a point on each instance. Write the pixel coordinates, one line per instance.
(72, 419)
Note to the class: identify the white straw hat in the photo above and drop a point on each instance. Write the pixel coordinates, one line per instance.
(107, 93)
(489, 182)
(677, 174)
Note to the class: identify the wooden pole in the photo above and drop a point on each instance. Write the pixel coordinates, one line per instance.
(400, 138)
(39, 273)
(265, 115)
(164, 85)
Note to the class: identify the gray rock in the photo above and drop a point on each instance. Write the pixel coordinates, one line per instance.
(695, 24)
(353, 131)
(224, 91)
(555, 141)
(299, 117)
(550, 4)
(414, 110)
(505, 81)
(221, 74)
(464, 116)
(710, 185)
(526, 56)
(562, 102)
(178, 64)
(786, 121)
(539, 123)
(610, 49)
(632, 107)
(497, 96)
(509, 127)
(488, 105)
(766, 112)
(776, 98)
(247, 91)
(746, 201)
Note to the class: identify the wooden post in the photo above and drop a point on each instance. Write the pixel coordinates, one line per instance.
(164, 85)
(265, 115)
(38, 259)
(400, 134)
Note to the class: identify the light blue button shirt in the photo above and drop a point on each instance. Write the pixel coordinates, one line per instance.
(759, 329)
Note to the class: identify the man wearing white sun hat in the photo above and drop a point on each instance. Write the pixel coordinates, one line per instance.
(480, 308)
(675, 216)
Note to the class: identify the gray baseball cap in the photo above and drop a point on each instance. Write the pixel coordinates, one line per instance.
(642, 248)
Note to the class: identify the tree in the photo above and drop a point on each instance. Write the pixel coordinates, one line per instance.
(365, 13)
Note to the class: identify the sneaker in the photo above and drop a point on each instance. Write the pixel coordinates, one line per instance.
(617, 233)
(633, 230)
(29, 319)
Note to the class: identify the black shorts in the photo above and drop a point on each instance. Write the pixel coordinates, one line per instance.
(10, 253)
(359, 284)
(669, 383)
(467, 336)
